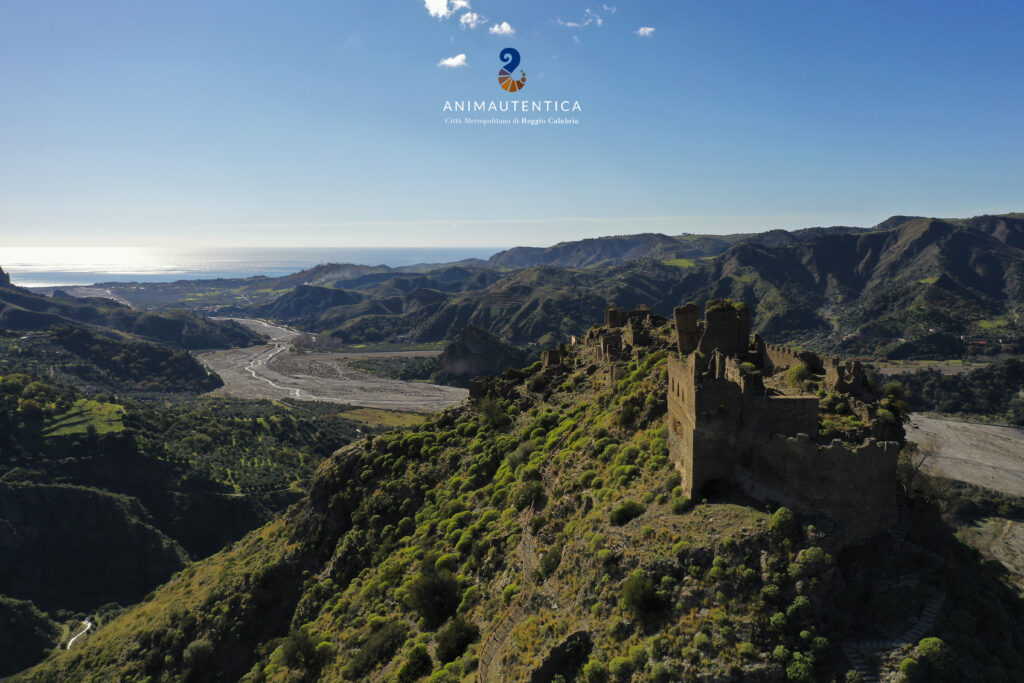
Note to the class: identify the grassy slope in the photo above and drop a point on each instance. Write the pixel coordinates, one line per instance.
(366, 548)
(511, 504)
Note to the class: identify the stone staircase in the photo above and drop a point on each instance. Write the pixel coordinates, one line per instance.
(899, 532)
(488, 668)
(861, 654)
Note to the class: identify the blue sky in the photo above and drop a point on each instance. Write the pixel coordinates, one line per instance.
(320, 123)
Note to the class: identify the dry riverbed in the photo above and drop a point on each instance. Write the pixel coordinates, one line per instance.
(273, 371)
(984, 455)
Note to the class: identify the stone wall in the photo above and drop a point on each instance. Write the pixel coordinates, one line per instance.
(724, 424)
(779, 358)
(855, 487)
(687, 328)
(727, 329)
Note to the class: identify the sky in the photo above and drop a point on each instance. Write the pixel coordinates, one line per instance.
(306, 123)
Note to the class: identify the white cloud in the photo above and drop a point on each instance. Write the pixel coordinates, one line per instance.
(470, 20)
(453, 62)
(610, 8)
(502, 29)
(441, 10)
(588, 19)
(645, 31)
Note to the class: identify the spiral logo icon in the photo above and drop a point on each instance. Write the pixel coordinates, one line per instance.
(510, 58)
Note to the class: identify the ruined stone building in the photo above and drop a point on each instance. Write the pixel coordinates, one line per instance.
(730, 420)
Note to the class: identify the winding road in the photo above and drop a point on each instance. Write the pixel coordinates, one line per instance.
(271, 371)
(87, 625)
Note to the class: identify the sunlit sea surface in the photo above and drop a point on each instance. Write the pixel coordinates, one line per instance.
(61, 266)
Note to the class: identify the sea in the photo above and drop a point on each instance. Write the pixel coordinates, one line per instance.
(66, 266)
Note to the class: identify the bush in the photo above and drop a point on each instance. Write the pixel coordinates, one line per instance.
(435, 595)
(639, 594)
(783, 521)
(377, 646)
(797, 375)
(800, 669)
(621, 668)
(747, 650)
(595, 672)
(680, 505)
(527, 494)
(702, 641)
(625, 512)
(937, 655)
(908, 666)
(455, 637)
(417, 665)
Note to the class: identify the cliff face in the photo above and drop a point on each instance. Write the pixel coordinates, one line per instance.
(5, 279)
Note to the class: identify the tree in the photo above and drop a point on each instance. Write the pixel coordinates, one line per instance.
(455, 637)
(913, 457)
(435, 595)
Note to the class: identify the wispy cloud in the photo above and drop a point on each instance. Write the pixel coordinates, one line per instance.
(645, 31)
(470, 20)
(502, 29)
(588, 19)
(611, 9)
(442, 9)
(453, 62)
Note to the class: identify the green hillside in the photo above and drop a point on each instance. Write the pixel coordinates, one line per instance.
(538, 534)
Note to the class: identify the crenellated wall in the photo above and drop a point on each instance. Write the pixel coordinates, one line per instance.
(780, 358)
(724, 424)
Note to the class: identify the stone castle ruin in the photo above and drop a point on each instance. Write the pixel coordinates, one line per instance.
(735, 414)
(784, 425)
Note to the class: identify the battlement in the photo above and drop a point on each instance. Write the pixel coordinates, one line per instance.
(616, 317)
(729, 419)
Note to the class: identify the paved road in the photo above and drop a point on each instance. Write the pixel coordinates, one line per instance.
(272, 372)
(984, 455)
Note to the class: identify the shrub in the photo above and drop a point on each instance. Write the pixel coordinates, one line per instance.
(781, 654)
(435, 595)
(625, 512)
(639, 594)
(595, 672)
(783, 521)
(908, 666)
(527, 494)
(747, 650)
(797, 375)
(455, 637)
(702, 641)
(378, 646)
(417, 665)
(680, 505)
(800, 669)
(937, 655)
(510, 593)
(621, 668)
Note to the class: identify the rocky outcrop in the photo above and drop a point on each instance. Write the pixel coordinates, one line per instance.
(475, 352)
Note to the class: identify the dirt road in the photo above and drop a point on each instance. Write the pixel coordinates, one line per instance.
(272, 371)
(984, 455)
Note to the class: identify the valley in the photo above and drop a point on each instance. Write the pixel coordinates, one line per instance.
(273, 371)
(990, 456)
